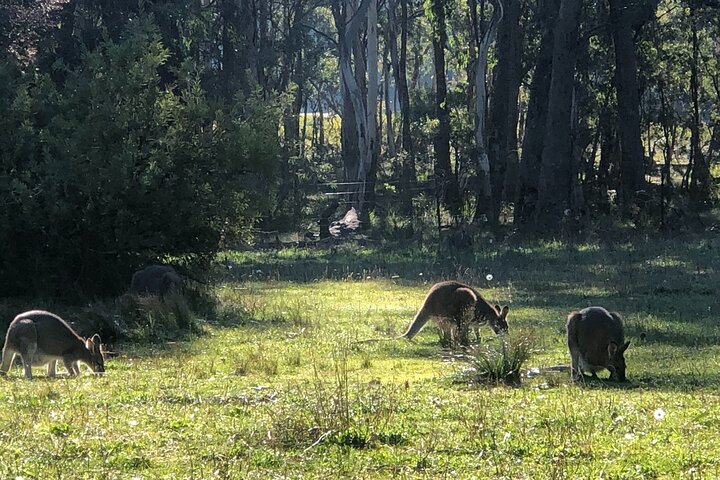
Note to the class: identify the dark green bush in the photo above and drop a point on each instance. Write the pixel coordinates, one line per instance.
(110, 170)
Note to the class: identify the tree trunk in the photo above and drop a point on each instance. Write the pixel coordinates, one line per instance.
(366, 203)
(555, 183)
(632, 165)
(668, 148)
(354, 128)
(291, 73)
(484, 190)
(388, 103)
(443, 173)
(399, 61)
(503, 110)
(700, 181)
(245, 35)
(536, 119)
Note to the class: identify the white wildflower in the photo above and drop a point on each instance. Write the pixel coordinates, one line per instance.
(489, 277)
(659, 414)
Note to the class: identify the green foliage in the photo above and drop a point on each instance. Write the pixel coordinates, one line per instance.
(109, 171)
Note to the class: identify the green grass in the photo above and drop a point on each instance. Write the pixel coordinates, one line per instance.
(299, 375)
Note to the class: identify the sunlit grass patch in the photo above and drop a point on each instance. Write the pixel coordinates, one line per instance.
(306, 379)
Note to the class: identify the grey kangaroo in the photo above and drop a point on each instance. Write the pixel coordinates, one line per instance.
(456, 307)
(596, 341)
(43, 338)
(157, 280)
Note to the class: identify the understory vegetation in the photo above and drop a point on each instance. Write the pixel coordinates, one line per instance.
(298, 373)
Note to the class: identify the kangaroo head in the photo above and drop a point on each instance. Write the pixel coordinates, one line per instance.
(616, 361)
(97, 359)
(498, 322)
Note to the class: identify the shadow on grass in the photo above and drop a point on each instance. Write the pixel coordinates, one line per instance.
(670, 382)
(707, 337)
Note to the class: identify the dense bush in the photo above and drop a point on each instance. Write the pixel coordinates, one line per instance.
(110, 170)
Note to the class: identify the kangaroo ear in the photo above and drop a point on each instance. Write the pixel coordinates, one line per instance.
(625, 346)
(504, 311)
(93, 343)
(612, 349)
(497, 307)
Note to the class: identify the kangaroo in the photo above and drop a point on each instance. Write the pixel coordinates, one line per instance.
(43, 338)
(157, 280)
(596, 341)
(456, 307)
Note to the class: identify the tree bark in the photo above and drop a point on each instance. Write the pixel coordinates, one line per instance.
(503, 110)
(555, 184)
(632, 165)
(399, 62)
(536, 119)
(484, 191)
(700, 181)
(443, 172)
(388, 103)
(367, 193)
(354, 128)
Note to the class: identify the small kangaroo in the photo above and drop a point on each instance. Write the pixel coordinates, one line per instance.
(43, 338)
(596, 341)
(456, 307)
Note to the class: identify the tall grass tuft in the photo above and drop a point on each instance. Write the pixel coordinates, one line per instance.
(151, 318)
(500, 363)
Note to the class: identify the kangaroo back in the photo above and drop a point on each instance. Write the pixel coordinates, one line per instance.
(155, 280)
(445, 299)
(596, 341)
(451, 300)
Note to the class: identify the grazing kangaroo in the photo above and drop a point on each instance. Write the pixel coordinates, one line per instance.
(596, 341)
(43, 338)
(456, 307)
(157, 280)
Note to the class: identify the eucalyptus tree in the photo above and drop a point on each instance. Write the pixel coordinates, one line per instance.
(484, 193)
(557, 174)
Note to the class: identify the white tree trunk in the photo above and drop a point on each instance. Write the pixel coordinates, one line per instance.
(352, 24)
(483, 161)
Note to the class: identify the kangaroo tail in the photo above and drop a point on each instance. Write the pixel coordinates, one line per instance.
(417, 324)
(7, 358)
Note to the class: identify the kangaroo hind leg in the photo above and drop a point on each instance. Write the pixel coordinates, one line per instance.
(464, 301)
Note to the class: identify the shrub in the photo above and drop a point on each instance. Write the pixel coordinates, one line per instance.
(109, 171)
(499, 363)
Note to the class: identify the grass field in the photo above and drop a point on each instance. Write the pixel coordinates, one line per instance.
(298, 376)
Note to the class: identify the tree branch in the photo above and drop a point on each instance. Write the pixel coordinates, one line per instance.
(321, 33)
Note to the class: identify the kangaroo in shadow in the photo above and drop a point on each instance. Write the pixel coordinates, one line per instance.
(42, 338)
(456, 308)
(157, 280)
(596, 340)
